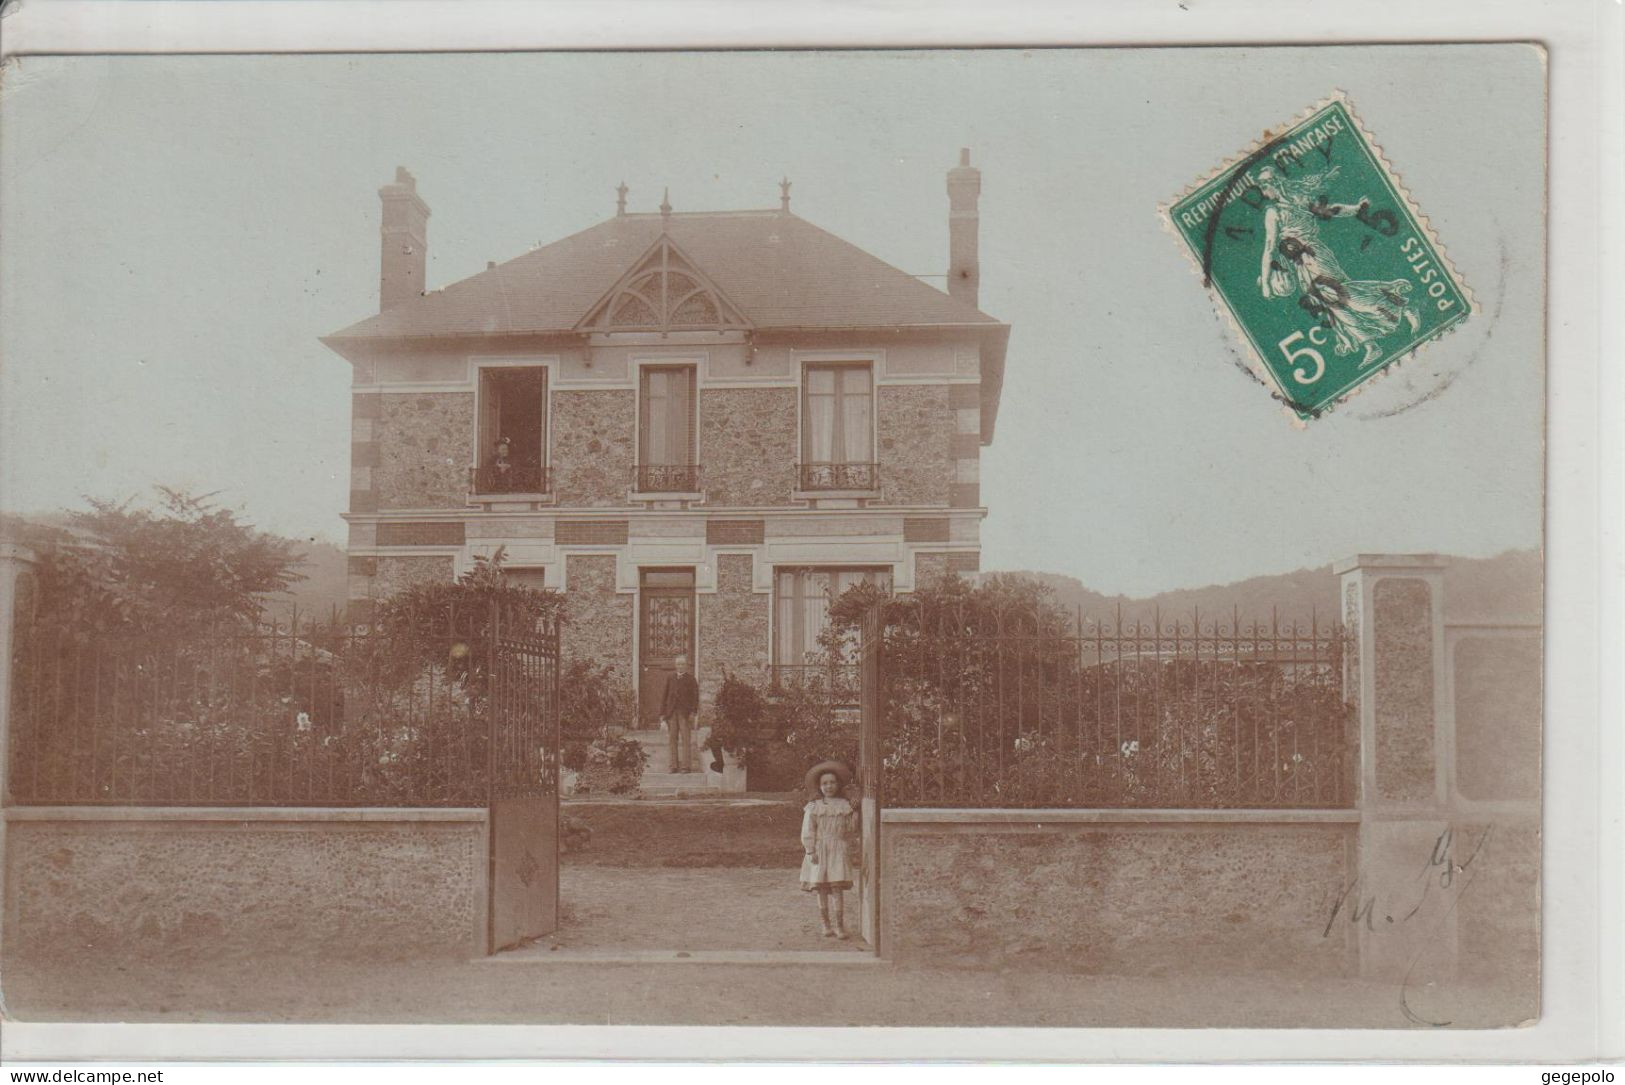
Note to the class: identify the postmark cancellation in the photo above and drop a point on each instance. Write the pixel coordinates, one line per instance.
(1326, 269)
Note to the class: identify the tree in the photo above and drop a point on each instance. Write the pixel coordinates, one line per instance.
(451, 604)
(450, 622)
(182, 567)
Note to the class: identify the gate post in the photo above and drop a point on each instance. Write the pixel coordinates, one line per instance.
(1404, 886)
(17, 601)
(873, 638)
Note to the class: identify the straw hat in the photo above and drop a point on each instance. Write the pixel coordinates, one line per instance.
(816, 773)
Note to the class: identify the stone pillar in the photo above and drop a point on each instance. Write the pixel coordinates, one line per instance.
(1401, 901)
(17, 600)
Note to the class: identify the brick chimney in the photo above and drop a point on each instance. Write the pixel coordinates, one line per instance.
(964, 190)
(405, 241)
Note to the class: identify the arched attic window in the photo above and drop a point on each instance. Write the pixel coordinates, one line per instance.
(663, 292)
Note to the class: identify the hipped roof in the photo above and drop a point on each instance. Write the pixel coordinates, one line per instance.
(781, 272)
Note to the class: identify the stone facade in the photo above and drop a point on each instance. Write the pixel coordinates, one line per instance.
(400, 887)
(748, 445)
(594, 446)
(733, 627)
(598, 621)
(1119, 899)
(915, 426)
(929, 568)
(396, 574)
(423, 452)
(1403, 672)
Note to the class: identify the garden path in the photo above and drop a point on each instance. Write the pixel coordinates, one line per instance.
(689, 875)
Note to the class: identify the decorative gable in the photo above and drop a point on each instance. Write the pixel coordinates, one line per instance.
(663, 292)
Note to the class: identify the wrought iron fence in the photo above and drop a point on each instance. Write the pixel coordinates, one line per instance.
(839, 476)
(1030, 709)
(439, 712)
(524, 694)
(665, 478)
(509, 479)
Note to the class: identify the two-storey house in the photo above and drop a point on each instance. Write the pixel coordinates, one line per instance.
(700, 426)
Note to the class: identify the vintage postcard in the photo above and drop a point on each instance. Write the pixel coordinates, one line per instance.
(775, 538)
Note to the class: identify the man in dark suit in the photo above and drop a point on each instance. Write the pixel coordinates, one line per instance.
(677, 709)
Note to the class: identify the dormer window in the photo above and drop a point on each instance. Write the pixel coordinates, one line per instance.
(512, 453)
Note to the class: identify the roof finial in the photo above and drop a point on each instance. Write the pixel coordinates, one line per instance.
(620, 199)
(665, 203)
(784, 194)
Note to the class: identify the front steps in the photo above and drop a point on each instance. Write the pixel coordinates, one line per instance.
(659, 782)
(658, 779)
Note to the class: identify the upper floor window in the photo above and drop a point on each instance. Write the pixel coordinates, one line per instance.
(666, 437)
(512, 454)
(837, 427)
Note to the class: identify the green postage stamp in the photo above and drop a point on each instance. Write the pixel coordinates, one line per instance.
(1327, 270)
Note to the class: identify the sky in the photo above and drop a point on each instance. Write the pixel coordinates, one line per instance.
(177, 232)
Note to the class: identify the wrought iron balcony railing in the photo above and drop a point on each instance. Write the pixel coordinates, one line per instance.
(509, 479)
(839, 476)
(666, 478)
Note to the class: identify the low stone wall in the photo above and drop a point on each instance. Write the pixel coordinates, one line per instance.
(338, 881)
(1121, 892)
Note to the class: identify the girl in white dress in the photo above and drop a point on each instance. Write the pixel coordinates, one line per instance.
(827, 825)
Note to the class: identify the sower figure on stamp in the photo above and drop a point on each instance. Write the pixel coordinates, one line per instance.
(1297, 262)
(677, 708)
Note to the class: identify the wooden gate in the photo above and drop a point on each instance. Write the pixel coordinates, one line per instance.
(523, 775)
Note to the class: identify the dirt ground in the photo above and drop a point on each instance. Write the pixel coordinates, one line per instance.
(691, 876)
(716, 908)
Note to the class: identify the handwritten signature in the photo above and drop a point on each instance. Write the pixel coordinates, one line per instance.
(1441, 872)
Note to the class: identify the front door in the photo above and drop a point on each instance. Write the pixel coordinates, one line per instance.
(665, 631)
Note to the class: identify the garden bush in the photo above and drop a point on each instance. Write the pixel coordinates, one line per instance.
(593, 701)
(614, 765)
(740, 719)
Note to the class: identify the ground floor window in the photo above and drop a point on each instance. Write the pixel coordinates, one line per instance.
(801, 599)
(526, 576)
